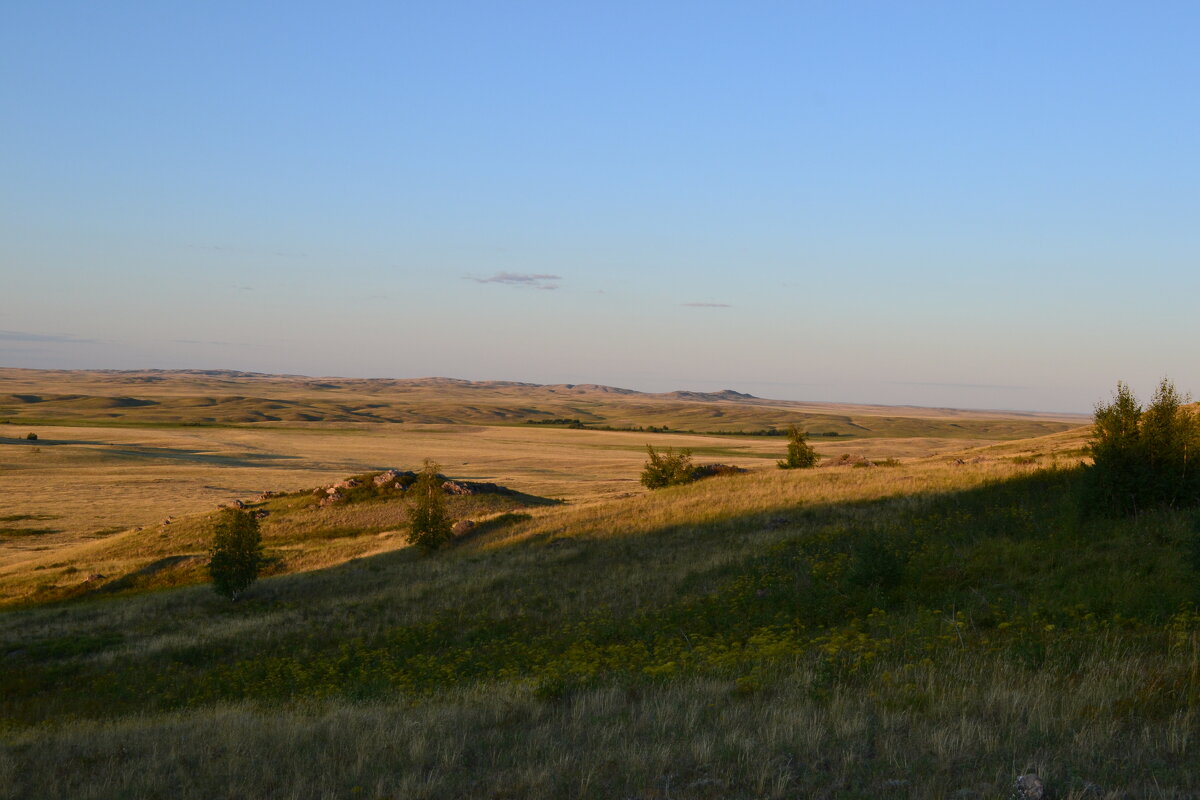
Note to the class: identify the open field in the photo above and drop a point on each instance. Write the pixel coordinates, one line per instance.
(930, 628)
(145, 446)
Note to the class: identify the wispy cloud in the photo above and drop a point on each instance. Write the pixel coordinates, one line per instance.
(219, 344)
(955, 385)
(706, 305)
(25, 336)
(530, 279)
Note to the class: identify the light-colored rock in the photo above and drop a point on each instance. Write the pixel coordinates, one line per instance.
(1029, 787)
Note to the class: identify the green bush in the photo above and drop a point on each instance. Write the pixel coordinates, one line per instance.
(668, 468)
(236, 554)
(800, 454)
(429, 525)
(1143, 458)
(31, 437)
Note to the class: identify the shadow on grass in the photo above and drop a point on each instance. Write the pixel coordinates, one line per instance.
(621, 607)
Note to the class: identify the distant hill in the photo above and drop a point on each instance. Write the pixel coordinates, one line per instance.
(229, 397)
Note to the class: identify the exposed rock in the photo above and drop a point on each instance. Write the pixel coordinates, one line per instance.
(95, 576)
(349, 483)
(384, 478)
(474, 487)
(237, 504)
(463, 527)
(332, 490)
(260, 513)
(1029, 787)
(168, 520)
(335, 497)
(847, 460)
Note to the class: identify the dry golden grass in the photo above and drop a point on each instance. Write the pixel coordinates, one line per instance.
(90, 498)
(83, 493)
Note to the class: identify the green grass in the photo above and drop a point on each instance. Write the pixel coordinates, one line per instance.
(926, 643)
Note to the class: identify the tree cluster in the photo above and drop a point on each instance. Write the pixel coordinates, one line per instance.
(1143, 458)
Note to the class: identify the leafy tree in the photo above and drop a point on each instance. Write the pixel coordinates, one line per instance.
(668, 468)
(236, 556)
(1143, 458)
(429, 525)
(800, 454)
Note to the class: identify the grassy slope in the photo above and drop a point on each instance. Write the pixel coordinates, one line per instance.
(929, 630)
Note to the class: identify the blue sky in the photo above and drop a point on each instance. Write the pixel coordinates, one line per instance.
(968, 204)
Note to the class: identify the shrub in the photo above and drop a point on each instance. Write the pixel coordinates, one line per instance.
(429, 525)
(236, 553)
(800, 454)
(31, 437)
(668, 468)
(1143, 458)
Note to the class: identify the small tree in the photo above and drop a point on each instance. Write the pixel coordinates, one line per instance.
(429, 526)
(800, 454)
(31, 437)
(235, 557)
(668, 468)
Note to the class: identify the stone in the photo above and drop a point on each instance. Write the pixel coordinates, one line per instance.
(237, 504)
(455, 487)
(1029, 787)
(463, 527)
(384, 478)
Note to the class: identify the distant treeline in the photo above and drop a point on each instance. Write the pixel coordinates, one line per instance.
(580, 424)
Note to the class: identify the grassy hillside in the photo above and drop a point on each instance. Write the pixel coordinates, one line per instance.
(927, 630)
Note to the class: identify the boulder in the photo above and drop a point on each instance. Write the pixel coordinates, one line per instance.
(457, 487)
(384, 478)
(463, 527)
(1029, 787)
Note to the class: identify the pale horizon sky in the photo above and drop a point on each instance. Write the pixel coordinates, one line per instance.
(984, 205)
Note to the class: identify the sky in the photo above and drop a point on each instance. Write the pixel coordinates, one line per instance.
(979, 205)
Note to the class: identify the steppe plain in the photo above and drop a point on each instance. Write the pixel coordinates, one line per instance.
(932, 617)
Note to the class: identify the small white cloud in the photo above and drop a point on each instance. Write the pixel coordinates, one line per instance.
(535, 280)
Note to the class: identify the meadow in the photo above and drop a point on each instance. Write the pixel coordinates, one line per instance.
(932, 628)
